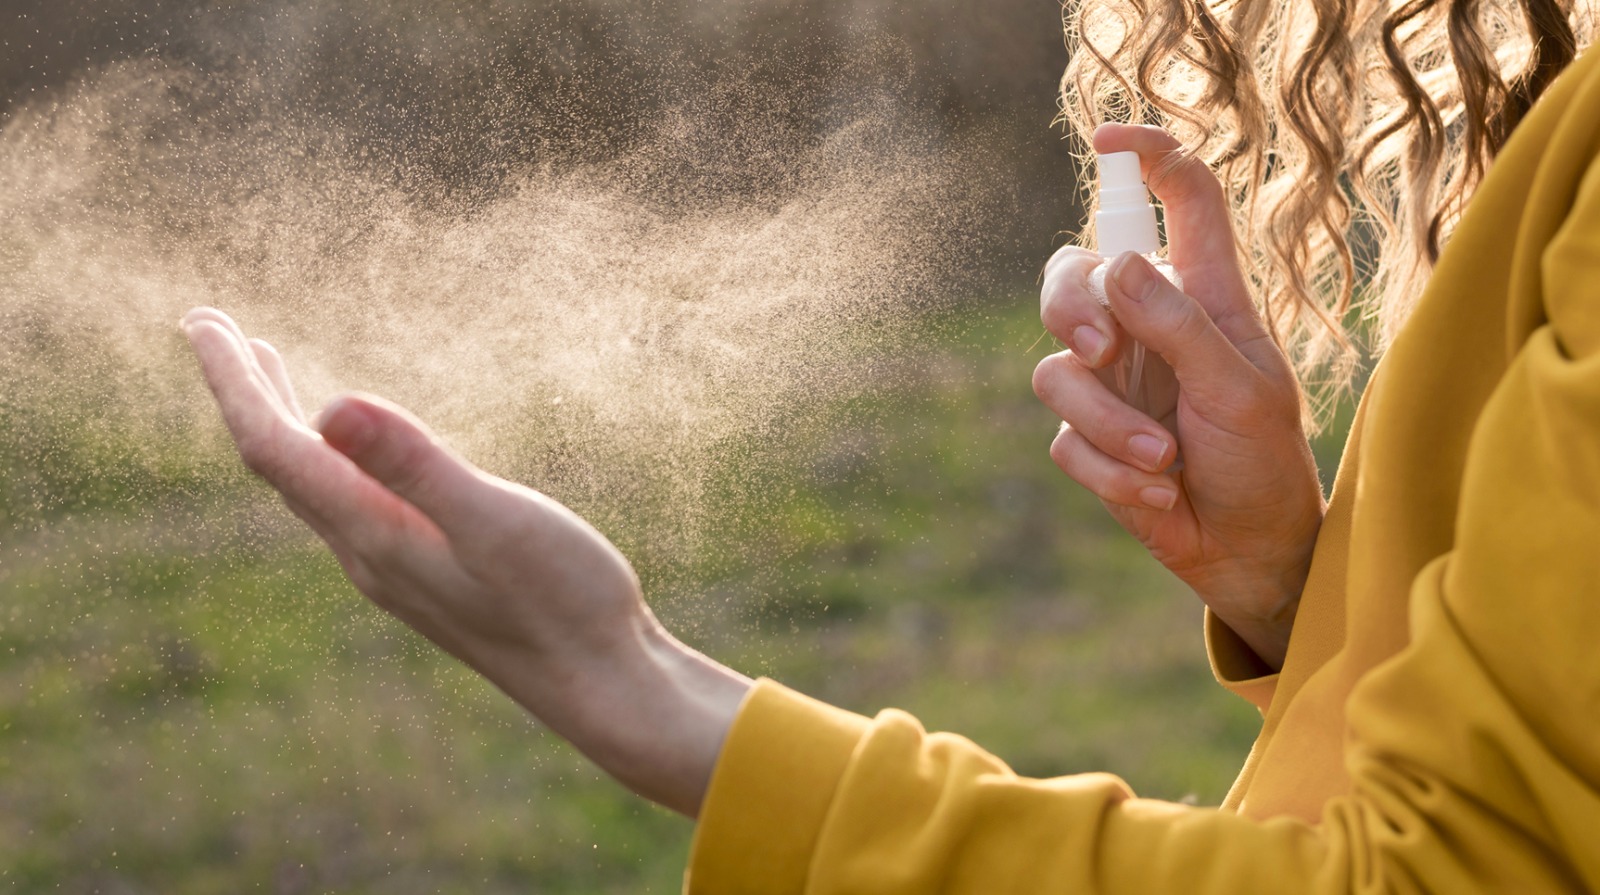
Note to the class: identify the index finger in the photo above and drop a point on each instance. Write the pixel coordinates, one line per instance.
(1070, 255)
(1072, 313)
(250, 409)
(273, 444)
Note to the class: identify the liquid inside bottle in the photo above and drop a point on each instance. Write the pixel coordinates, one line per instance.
(1129, 368)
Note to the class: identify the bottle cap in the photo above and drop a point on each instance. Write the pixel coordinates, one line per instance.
(1126, 221)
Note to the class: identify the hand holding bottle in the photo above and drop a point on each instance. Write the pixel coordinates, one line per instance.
(1238, 519)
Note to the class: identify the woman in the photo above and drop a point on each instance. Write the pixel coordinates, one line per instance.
(1420, 647)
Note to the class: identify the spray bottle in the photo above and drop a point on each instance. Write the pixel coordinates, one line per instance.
(1126, 222)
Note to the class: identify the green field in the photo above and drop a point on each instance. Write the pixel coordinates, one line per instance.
(192, 699)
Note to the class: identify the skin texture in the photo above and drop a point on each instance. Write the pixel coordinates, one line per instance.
(502, 577)
(1238, 518)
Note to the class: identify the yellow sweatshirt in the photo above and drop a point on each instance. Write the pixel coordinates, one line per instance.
(1436, 727)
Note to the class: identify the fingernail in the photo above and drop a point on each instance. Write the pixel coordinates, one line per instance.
(346, 426)
(1134, 276)
(1089, 343)
(1148, 450)
(1158, 498)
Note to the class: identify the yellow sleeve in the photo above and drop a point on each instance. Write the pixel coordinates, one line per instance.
(796, 807)
(1473, 755)
(1236, 666)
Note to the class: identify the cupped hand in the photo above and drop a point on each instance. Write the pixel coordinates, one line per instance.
(504, 578)
(1215, 475)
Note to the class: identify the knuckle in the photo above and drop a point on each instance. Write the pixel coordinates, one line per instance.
(1064, 383)
(405, 466)
(1047, 376)
(1063, 449)
(1067, 256)
(410, 479)
(1069, 252)
(1183, 177)
(1064, 304)
(1202, 179)
(1156, 134)
(1123, 487)
(1100, 419)
(1189, 322)
(1113, 484)
(1070, 453)
(1054, 310)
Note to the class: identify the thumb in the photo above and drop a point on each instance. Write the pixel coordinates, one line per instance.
(1175, 326)
(400, 452)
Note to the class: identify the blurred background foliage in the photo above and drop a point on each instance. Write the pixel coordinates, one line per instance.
(193, 700)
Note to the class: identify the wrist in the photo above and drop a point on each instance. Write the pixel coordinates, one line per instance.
(647, 709)
(1265, 634)
(682, 705)
(1260, 608)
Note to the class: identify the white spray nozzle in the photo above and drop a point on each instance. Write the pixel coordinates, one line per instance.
(1126, 221)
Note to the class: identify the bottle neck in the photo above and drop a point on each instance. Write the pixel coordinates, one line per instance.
(1127, 229)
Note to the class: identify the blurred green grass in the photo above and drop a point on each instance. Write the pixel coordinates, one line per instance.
(193, 700)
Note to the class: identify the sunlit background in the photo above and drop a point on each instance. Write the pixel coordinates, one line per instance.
(749, 283)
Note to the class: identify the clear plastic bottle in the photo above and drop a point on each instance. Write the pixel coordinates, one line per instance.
(1126, 222)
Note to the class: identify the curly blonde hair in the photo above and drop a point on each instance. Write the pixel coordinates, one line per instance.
(1349, 134)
